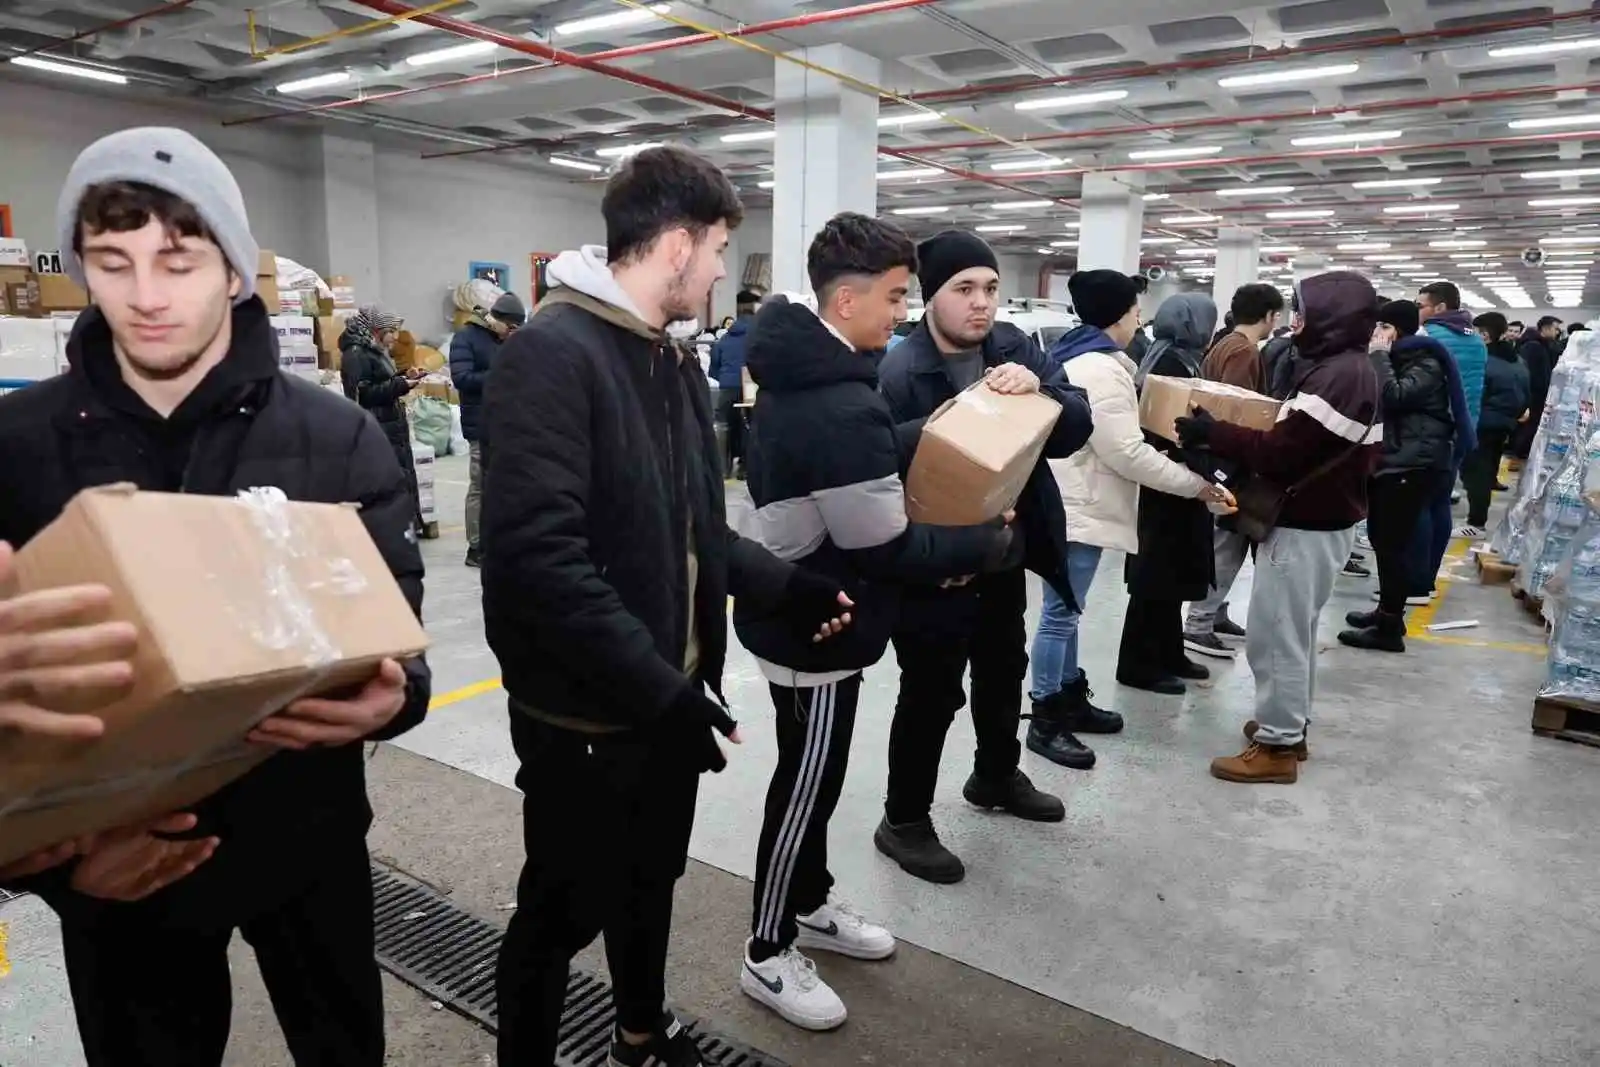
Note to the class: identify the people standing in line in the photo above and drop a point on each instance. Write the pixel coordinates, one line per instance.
(981, 623)
(472, 352)
(1415, 462)
(727, 369)
(1514, 332)
(372, 380)
(1506, 395)
(1235, 360)
(1174, 563)
(174, 386)
(607, 565)
(1439, 306)
(1100, 489)
(1323, 448)
(825, 477)
(1537, 352)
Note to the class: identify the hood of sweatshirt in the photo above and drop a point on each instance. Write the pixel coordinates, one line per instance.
(1338, 312)
(791, 349)
(1504, 349)
(1458, 321)
(584, 271)
(1081, 340)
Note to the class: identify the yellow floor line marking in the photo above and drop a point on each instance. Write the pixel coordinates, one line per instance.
(466, 692)
(1421, 617)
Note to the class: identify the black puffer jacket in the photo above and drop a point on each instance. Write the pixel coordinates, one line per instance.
(1418, 427)
(1506, 390)
(472, 352)
(825, 476)
(247, 424)
(370, 379)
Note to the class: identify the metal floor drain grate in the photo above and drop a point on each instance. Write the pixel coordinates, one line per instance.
(427, 942)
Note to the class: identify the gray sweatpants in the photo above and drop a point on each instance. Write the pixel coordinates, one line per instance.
(474, 494)
(1231, 550)
(1295, 570)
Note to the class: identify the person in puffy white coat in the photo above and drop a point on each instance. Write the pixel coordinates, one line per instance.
(1100, 490)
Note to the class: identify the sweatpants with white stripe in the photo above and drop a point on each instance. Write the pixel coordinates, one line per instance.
(814, 730)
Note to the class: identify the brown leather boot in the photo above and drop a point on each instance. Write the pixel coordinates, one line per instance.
(1301, 752)
(1258, 765)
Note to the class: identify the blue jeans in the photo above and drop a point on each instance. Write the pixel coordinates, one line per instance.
(1055, 645)
(1431, 539)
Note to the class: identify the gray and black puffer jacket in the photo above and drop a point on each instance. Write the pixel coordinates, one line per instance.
(1418, 426)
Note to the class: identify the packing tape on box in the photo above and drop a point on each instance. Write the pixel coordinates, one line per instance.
(981, 400)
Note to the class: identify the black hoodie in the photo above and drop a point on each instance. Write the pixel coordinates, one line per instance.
(825, 476)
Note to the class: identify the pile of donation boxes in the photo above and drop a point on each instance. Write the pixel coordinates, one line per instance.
(243, 604)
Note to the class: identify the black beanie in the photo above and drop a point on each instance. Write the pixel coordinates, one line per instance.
(944, 255)
(1102, 297)
(1402, 315)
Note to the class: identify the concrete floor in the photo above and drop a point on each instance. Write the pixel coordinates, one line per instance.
(1422, 896)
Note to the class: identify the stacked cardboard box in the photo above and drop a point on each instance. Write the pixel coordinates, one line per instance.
(297, 347)
(976, 454)
(344, 292)
(29, 350)
(422, 456)
(14, 253)
(267, 281)
(57, 292)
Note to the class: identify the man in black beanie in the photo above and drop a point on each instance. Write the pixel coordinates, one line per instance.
(942, 630)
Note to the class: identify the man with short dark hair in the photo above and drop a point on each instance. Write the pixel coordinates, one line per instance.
(727, 369)
(1505, 404)
(174, 386)
(607, 565)
(1444, 320)
(1537, 350)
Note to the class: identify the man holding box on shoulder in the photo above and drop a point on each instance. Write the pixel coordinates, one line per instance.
(175, 386)
(942, 629)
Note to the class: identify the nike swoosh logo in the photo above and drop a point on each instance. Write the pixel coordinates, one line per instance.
(775, 987)
(831, 930)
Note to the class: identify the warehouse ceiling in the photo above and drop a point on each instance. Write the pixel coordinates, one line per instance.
(1410, 138)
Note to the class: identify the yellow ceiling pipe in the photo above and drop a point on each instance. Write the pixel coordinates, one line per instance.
(336, 35)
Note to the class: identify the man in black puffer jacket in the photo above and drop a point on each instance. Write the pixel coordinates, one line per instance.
(825, 476)
(174, 386)
(1506, 396)
(957, 343)
(472, 352)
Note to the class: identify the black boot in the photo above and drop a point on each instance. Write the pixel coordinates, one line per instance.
(1362, 619)
(1387, 634)
(1078, 713)
(1187, 668)
(1047, 738)
(916, 847)
(1014, 796)
(474, 558)
(1153, 682)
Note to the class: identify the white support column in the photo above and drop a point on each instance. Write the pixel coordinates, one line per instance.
(344, 210)
(1238, 263)
(821, 161)
(1112, 222)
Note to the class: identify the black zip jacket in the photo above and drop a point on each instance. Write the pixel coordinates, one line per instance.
(247, 424)
(825, 476)
(1418, 427)
(1506, 390)
(599, 460)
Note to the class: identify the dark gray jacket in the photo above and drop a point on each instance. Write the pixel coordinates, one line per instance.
(1418, 428)
(1506, 390)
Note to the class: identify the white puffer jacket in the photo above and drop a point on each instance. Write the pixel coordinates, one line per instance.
(1100, 482)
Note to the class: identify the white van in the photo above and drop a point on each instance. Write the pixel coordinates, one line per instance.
(1043, 320)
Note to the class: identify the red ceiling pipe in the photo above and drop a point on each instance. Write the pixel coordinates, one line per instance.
(754, 29)
(1190, 65)
(164, 9)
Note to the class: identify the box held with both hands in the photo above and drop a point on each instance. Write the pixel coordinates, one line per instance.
(243, 605)
(1164, 400)
(976, 454)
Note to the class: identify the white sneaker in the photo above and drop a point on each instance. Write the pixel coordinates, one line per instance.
(1467, 530)
(788, 983)
(838, 928)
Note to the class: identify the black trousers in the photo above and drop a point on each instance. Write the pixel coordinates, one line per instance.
(1152, 638)
(733, 417)
(815, 726)
(605, 825)
(1395, 503)
(150, 994)
(1480, 471)
(932, 663)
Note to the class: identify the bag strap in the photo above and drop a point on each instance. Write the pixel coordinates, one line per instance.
(1323, 468)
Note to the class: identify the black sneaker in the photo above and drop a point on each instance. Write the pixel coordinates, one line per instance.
(1353, 569)
(474, 557)
(1361, 619)
(1226, 627)
(1014, 796)
(669, 1046)
(1386, 634)
(1209, 645)
(1046, 738)
(1161, 684)
(1187, 668)
(915, 846)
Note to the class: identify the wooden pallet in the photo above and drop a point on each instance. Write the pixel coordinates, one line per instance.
(1492, 572)
(1567, 720)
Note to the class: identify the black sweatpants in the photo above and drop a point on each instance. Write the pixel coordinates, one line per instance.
(1395, 503)
(1481, 471)
(605, 825)
(932, 663)
(814, 730)
(147, 992)
(1152, 639)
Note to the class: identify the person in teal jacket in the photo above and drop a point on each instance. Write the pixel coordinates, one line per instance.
(1444, 320)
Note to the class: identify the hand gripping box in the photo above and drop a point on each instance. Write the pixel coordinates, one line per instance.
(1165, 400)
(976, 454)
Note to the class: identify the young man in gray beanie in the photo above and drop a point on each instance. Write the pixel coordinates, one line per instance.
(174, 386)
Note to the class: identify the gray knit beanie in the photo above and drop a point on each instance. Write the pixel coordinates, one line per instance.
(176, 162)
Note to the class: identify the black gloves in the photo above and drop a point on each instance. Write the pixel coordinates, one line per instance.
(693, 717)
(810, 601)
(1007, 550)
(1194, 431)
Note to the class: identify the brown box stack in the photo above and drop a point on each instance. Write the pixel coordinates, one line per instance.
(976, 454)
(243, 605)
(57, 292)
(1165, 400)
(19, 293)
(267, 281)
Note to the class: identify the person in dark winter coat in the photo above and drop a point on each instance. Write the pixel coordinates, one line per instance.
(371, 380)
(472, 352)
(175, 386)
(1175, 562)
(1417, 459)
(1506, 396)
(727, 370)
(1538, 353)
(607, 566)
(958, 343)
(825, 477)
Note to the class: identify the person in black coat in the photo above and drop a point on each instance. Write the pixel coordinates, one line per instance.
(1175, 562)
(1537, 350)
(472, 352)
(174, 386)
(957, 343)
(1507, 393)
(371, 379)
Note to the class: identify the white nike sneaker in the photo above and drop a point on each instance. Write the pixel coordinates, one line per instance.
(838, 928)
(788, 983)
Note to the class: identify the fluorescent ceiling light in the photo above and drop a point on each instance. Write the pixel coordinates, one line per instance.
(91, 73)
(1589, 240)
(1008, 205)
(1151, 198)
(1161, 240)
(929, 209)
(1395, 183)
(1457, 244)
(1306, 213)
(1403, 266)
(611, 21)
(1183, 152)
(1000, 227)
(1195, 251)
(1569, 263)
(1189, 220)
(1284, 77)
(575, 164)
(1551, 122)
(1564, 201)
(1386, 257)
(768, 184)
(1272, 250)
(1420, 209)
(1353, 137)
(454, 52)
(318, 81)
(1256, 190)
(913, 172)
(1050, 103)
(911, 118)
(748, 136)
(1064, 244)
(619, 151)
(1364, 246)
(1570, 172)
(1566, 44)
(1038, 163)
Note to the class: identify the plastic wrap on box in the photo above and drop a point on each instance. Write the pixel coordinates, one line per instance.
(1556, 520)
(28, 350)
(1572, 670)
(423, 458)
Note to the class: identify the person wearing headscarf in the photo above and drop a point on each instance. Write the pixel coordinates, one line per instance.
(1174, 562)
(372, 381)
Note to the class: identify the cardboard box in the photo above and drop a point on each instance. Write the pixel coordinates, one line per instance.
(57, 292)
(14, 253)
(344, 292)
(976, 454)
(243, 605)
(19, 292)
(329, 329)
(1164, 400)
(297, 346)
(267, 282)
